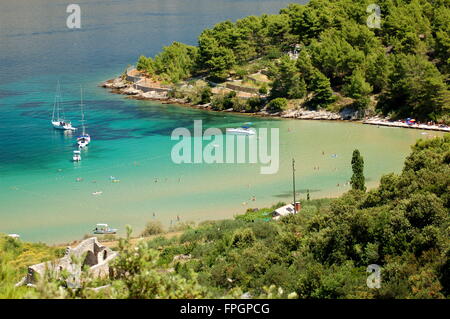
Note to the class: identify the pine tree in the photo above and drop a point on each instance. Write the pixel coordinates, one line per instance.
(357, 181)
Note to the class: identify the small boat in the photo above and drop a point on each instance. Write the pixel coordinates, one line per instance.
(76, 156)
(85, 138)
(244, 130)
(97, 193)
(114, 180)
(58, 116)
(83, 141)
(103, 229)
(63, 125)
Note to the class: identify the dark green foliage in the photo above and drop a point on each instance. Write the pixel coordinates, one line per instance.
(358, 89)
(415, 87)
(357, 180)
(145, 64)
(175, 63)
(334, 56)
(322, 93)
(225, 102)
(406, 61)
(277, 105)
(243, 238)
(287, 80)
(254, 104)
(263, 89)
(205, 95)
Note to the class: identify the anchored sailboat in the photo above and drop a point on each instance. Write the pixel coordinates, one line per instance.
(85, 138)
(58, 117)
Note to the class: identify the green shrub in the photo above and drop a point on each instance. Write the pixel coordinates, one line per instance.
(243, 238)
(152, 228)
(277, 105)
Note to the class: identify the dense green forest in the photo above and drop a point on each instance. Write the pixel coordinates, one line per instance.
(400, 69)
(321, 252)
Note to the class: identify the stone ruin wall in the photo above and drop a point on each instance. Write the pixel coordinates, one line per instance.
(95, 255)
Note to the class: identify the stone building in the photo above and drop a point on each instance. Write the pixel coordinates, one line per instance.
(89, 253)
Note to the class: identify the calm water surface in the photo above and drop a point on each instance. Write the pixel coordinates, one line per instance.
(46, 197)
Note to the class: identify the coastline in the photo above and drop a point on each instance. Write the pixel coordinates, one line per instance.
(135, 91)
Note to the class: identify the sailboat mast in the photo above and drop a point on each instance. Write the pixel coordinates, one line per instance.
(54, 107)
(82, 113)
(61, 105)
(57, 100)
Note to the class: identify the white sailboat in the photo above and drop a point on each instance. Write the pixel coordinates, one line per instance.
(58, 117)
(84, 139)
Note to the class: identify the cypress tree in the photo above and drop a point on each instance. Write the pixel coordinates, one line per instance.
(357, 181)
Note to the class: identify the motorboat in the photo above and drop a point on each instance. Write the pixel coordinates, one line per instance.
(76, 156)
(102, 229)
(244, 130)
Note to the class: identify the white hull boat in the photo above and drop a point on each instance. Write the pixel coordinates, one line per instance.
(60, 125)
(83, 141)
(102, 229)
(85, 138)
(58, 118)
(241, 131)
(76, 156)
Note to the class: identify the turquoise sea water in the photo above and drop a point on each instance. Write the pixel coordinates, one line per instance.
(46, 197)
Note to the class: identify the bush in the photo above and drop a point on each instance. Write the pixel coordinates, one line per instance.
(263, 89)
(277, 105)
(223, 102)
(254, 104)
(243, 238)
(152, 228)
(205, 95)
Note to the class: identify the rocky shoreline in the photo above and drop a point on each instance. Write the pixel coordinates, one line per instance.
(161, 94)
(120, 86)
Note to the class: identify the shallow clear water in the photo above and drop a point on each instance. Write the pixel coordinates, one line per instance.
(40, 197)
